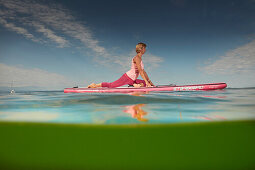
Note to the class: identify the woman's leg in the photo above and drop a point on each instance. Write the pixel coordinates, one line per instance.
(123, 80)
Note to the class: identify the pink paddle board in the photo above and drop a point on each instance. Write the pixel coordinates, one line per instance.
(214, 86)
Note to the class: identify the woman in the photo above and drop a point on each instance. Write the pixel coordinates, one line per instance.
(130, 77)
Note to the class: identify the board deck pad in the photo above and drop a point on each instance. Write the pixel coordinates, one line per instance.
(212, 86)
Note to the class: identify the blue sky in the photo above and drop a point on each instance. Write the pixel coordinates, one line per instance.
(58, 44)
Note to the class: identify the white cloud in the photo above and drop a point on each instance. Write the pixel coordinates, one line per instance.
(152, 60)
(18, 30)
(31, 77)
(45, 19)
(239, 60)
(51, 35)
(58, 25)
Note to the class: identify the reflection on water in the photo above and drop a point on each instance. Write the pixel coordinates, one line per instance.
(214, 117)
(134, 108)
(136, 112)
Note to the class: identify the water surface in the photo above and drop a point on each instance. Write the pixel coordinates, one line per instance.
(150, 108)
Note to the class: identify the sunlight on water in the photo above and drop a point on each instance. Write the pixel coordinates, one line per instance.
(150, 108)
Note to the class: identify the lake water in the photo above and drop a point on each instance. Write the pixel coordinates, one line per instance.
(151, 108)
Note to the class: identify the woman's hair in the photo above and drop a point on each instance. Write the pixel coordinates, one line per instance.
(139, 47)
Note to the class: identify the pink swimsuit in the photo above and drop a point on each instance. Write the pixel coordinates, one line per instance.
(129, 77)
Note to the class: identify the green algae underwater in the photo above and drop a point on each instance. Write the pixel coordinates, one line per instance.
(214, 145)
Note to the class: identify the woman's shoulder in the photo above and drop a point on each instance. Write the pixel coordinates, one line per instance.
(136, 57)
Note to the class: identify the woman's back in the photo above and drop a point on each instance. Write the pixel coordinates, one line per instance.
(134, 72)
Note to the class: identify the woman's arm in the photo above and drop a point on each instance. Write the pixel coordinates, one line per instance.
(148, 78)
(142, 72)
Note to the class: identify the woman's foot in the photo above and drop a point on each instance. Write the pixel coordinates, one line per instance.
(137, 85)
(92, 85)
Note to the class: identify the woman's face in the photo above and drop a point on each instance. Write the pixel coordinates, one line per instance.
(143, 50)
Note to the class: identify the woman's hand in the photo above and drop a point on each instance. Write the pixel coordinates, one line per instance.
(150, 84)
